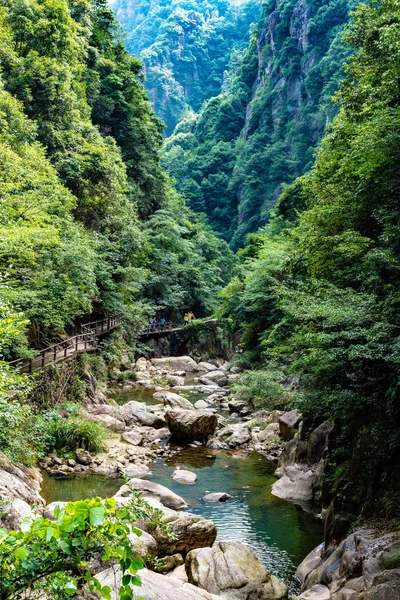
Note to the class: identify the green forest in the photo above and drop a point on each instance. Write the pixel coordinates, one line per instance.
(186, 48)
(237, 160)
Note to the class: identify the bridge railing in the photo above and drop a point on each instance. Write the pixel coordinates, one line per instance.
(157, 328)
(80, 342)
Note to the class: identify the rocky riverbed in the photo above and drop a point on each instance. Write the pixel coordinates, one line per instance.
(191, 442)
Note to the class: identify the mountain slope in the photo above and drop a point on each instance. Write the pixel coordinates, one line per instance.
(185, 46)
(231, 159)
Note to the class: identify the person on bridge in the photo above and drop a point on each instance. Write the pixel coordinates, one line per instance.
(191, 316)
(186, 318)
(162, 322)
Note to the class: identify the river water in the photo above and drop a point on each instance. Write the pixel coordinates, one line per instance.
(280, 532)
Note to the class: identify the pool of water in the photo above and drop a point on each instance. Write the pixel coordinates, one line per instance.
(78, 487)
(142, 394)
(281, 533)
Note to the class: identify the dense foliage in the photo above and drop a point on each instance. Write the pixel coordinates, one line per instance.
(319, 297)
(85, 208)
(186, 47)
(52, 556)
(231, 159)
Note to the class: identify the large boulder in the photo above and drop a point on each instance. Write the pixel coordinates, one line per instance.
(289, 423)
(188, 532)
(152, 490)
(143, 544)
(175, 363)
(358, 569)
(154, 587)
(137, 412)
(232, 571)
(173, 400)
(205, 366)
(190, 425)
(299, 482)
(214, 377)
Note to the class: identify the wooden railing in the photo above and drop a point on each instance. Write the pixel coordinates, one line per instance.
(86, 340)
(157, 328)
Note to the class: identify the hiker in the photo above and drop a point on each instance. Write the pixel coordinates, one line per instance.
(191, 316)
(186, 318)
(162, 322)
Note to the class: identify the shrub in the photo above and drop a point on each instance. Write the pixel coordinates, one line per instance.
(262, 389)
(69, 434)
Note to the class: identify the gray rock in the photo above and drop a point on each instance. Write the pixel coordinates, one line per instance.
(175, 363)
(190, 425)
(143, 543)
(310, 562)
(205, 366)
(83, 457)
(154, 586)
(183, 476)
(175, 380)
(189, 532)
(235, 434)
(214, 377)
(153, 490)
(169, 563)
(216, 497)
(132, 437)
(201, 405)
(298, 482)
(289, 423)
(317, 592)
(109, 422)
(137, 412)
(173, 400)
(132, 471)
(233, 571)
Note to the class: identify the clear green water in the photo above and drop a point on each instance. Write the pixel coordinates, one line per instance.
(281, 533)
(78, 487)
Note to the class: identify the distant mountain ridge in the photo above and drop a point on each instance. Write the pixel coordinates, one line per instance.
(186, 46)
(231, 160)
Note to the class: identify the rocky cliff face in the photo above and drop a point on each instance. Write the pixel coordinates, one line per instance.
(185, 47)
(268, 123)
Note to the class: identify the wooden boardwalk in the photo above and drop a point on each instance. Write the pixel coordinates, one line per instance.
(86, 341)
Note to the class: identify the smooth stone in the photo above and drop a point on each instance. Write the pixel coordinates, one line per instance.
(205, 366)
(136, 471)
(214, 377)
(173, 400)
(153, 490)
(216, 497)
(183, 476)
(175, 363)
(201, 405)
(154, 586)
(109, 422)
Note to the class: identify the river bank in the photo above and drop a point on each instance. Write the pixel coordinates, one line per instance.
(216, 447)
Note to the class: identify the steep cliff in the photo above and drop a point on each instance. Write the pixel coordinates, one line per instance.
(233, 157)
(185, 46)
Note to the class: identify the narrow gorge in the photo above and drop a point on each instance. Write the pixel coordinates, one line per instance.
(199, 300)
